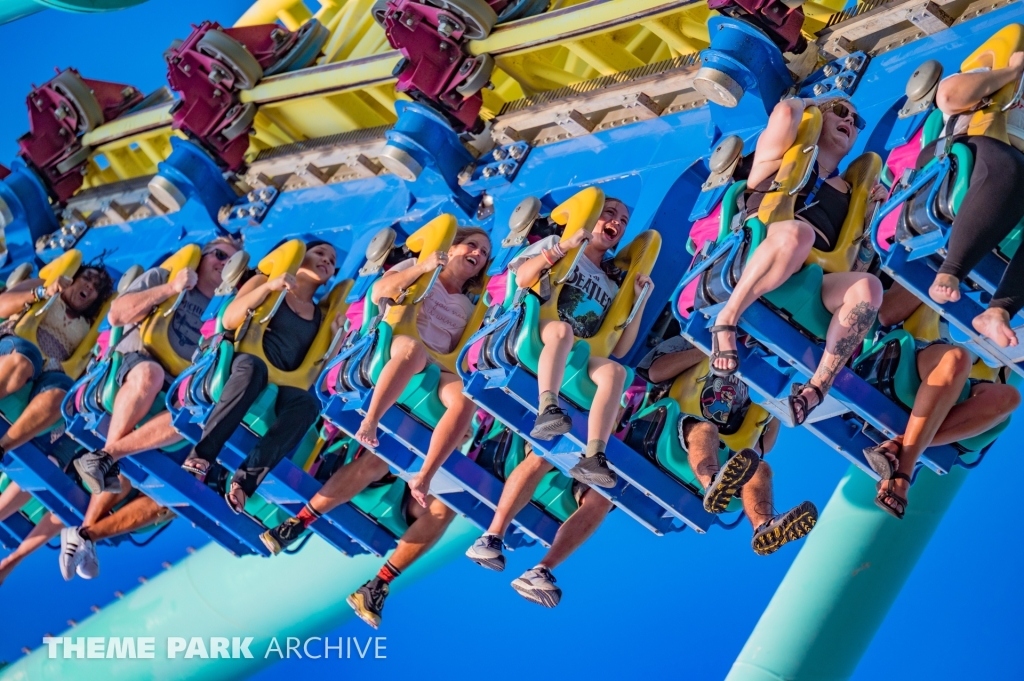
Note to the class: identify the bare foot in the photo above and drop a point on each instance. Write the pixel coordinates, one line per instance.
(367, 434)
(419, 487)
(994, 324)
(945, 289)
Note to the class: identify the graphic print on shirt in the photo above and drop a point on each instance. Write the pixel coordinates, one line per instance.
(186, 324)
(724, 402)
(585, 298)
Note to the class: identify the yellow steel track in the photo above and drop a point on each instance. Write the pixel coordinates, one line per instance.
(351, 86)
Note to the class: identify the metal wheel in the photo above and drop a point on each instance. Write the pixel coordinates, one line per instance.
(224, 48)
(477, 15)
(379, 10)
(90, 113)
(312, 37)
(133, 273)
(400, 163)
(521, 221)
(718, 86)
(19, 274)
(478, 77)
(74, 160)
(232, 273)
(242, 123)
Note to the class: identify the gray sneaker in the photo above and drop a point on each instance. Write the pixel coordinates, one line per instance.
(551, 423)
(736, 472)
(594, 470)
(486, 552)
(99, 472)
(69, 555)
(88, 562)
(538, 585)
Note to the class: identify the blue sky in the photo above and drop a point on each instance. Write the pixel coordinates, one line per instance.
(633, 603)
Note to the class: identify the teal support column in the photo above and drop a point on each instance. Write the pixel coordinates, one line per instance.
(842, 584)
(212, 593)
(12, 10)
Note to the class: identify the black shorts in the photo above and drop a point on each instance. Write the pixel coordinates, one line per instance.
(134, 359)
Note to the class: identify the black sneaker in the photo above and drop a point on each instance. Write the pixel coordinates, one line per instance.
(99, 472)
(594, 470)
(551, 422)
(794, 524)
(368, 601)
(736, 472)
(284, 535)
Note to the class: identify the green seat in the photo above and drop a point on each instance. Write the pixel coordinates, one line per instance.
(32, 509)
(800, 298)
(554, 493)
(384, 502)
(896, 355)
(670, 453)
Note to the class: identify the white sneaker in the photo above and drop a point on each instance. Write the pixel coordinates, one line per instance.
(70, 543)
(88, 562)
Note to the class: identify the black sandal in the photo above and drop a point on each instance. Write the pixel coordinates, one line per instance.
(717, 354)
(887, 494)
(797, 399)
(884, 458)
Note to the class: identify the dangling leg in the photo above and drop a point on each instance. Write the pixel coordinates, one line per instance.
(452, 429)
(408, 358)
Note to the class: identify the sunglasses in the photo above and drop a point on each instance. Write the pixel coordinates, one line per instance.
(219, 254)
(840, 109)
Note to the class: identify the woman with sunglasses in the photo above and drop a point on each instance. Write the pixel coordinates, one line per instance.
(853, 298)
(993, 204)
(286, 343)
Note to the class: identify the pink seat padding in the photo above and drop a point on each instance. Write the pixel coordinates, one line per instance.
(209, 328)
(354, 313)
(900, 158)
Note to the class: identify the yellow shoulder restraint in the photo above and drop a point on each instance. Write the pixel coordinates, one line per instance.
(995, 53)
(155, 328)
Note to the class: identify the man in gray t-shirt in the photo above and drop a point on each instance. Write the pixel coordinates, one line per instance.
(141, 377)
(186, 322)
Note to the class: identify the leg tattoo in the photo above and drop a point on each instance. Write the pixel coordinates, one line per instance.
(858, 321)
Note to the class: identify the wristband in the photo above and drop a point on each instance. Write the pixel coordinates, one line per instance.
(39, 293)
(545, 254)
(558, 250)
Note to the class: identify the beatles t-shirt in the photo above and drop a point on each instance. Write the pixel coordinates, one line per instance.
(443, 316)
(586, 295)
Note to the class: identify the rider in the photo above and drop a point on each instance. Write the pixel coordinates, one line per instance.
(441, 321)
(63, 328)
(141, 377)
(582, 304)
(745, 472)
(290, 334)
(852, 298)
(993, 204)
(936, 418)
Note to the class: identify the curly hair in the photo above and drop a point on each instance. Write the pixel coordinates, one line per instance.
(104, 289)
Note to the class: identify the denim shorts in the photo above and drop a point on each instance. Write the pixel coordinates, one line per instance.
(16, 345)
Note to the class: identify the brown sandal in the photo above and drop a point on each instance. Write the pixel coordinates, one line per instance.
(884, 458)
(887, 493)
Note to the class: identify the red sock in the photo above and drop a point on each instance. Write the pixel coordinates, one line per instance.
(388, 572)
(307, 515)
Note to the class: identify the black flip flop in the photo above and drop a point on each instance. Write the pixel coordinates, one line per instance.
(796, 398)
(887, 492)
(882, 459)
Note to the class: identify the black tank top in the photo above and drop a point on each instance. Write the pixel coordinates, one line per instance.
(289, 337)
(826, 213)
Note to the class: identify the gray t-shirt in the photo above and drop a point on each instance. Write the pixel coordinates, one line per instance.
(186, 323)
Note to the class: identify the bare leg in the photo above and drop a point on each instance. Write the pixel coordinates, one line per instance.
(671, 365)
(155, 433)
(134, 400)
(46, 529)
(408, 358)
(101, 504)
(702, 450)
(577, 528)
(994, 324)
(430, 524)
(988, 406)
(518, 491)
(15, 371)
(348, 481)
(41, 413)
(558, 340)
(853, 299)
(450, 431)
(780, 256)
(137, 513)
(757, 496)
(11, 499)
(610, 378)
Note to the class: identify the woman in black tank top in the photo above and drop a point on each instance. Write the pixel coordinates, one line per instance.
(287, 341)
(853, 298)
